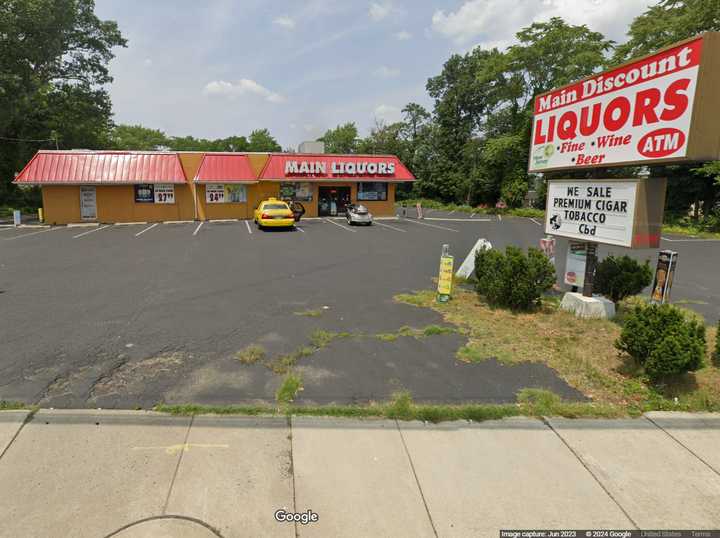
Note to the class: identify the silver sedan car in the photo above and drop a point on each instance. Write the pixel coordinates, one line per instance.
(358, 214)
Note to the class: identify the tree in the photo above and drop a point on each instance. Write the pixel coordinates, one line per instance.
(261, 140)
(137, 137)
(342, 139)
(667, 22)
(54, 57)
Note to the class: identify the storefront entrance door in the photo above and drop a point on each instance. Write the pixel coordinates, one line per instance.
(332, 201)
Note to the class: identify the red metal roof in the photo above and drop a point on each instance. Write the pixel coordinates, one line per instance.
(110, 167)
(325, 166)
(225, 168)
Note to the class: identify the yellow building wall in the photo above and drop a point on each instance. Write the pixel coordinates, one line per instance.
(61, 205)
(190, 163)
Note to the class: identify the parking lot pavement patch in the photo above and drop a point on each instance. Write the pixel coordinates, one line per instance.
(353, 474)
(659, 484)
(492, 481)
(10, 424)
(235, 472)
(698, 432)
(91, 472)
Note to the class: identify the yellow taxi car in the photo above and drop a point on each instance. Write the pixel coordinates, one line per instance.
(274, 213)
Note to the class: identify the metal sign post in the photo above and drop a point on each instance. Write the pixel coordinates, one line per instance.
(590, 265)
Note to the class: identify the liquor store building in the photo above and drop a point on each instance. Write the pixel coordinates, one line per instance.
(136, 186)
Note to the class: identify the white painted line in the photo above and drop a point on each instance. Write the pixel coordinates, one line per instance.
(130, 223)
(247, 223)
(198, 228)
(451, 212)
(391, 227)
(299, 229)
(91, 231)
(224, 220)
(11, 227)
(34, 226)
(535, 221)
(31, 233)
(177, 221)
(146, 229)
(432, 225)
(698, 240)
(341, 226)
(499, 217)
(82, 224)
(472, 215)
(458, 220)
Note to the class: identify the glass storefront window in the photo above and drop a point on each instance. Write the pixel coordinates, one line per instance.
(296, 191)
(376, 190)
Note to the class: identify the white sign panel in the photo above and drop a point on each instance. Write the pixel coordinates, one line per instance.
(633, 114)
(164, 194)
(88, 203)
(468, 265)
(215, 193)
(594, 211)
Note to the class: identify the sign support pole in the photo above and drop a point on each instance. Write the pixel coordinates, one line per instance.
(590, 264)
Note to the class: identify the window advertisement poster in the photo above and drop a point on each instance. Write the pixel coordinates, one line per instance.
(636, 113)
(235, 194)
(144, 193)
(575, 264)
(296, 191)
(667, 261)
(88, 203)
(214, 193)
(164, 194)
(589, 210)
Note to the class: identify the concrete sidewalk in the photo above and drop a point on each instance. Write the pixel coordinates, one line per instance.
(141, 474)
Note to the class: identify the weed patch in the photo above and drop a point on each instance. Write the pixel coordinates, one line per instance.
(251, 354)
(288, 389)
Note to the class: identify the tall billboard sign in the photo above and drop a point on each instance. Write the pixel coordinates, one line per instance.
(660, 108)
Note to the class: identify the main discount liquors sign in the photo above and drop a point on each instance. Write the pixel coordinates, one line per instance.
(658, 108)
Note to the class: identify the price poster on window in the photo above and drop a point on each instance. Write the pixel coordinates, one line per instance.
(164, 194)
(214, 193)
(235, 194)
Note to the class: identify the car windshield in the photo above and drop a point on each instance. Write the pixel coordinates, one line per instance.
(275, 206)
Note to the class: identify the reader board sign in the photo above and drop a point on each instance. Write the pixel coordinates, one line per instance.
(622, 212)
(165, 193)
(597, 211)
(144, 193)
(649, 110)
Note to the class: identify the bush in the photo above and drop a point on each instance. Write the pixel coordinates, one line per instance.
(513, 279)
(663, 340)
(617, 278)
(717, 344)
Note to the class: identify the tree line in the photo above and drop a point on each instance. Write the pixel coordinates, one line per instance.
(471, 147)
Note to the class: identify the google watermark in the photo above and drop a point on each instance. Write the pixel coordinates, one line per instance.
(303, 518)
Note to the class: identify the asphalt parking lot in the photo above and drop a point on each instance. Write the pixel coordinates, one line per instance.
(132, 315)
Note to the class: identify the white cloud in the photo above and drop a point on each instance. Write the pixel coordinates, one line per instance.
(386, 72)
(402, 35)
(379, 11)
(242, 87)
(285, 22)
(491, 22)
(147, 62)
(388, 113)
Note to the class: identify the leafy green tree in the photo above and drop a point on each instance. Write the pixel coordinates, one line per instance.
(261, 140)
(342, 139)
(54, 57)
(137, 137)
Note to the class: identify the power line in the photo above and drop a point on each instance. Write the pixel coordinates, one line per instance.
(27, 139)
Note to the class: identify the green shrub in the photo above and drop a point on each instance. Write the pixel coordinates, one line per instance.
(717, 344)
(513, 279)
(663, 340)
(617, 278)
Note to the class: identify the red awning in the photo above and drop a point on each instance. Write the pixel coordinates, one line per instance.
(324, 167)
(104, 167)
(225, 168)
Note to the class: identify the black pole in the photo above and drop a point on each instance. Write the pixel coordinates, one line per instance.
(590, 263)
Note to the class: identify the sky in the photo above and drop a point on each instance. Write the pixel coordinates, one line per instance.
(221, 67)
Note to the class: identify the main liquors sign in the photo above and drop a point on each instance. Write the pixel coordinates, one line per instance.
(658, 108)
(626, 213)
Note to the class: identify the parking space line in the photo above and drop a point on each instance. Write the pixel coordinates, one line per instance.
(472, 215)
(535, 221)
(146, 229)
(388, 226)
(457, 220)
(198, 228)
(31, 233)
(341, 226)
(138, 223)
(214, 221)
(249, 229)
(91, 231)
(432, 225)
(499, 217)
(298, 228)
